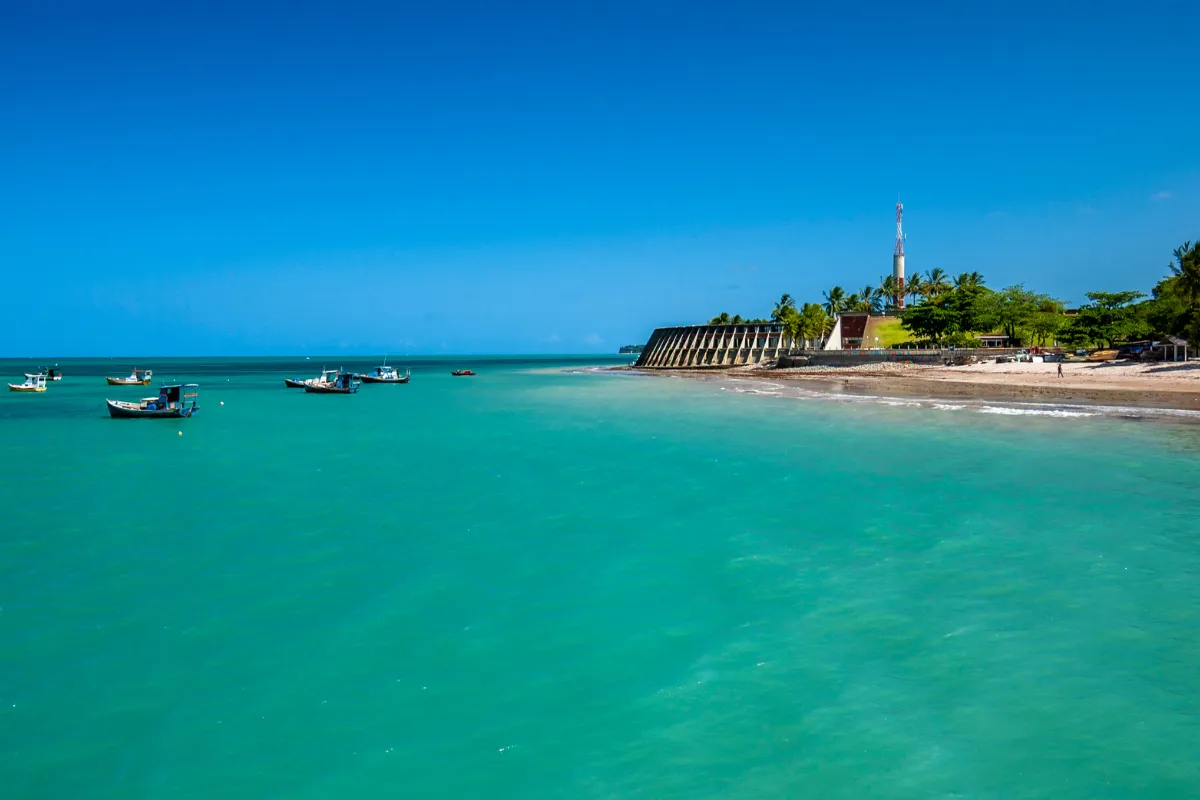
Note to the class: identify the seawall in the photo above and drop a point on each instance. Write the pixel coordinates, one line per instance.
(700, 346)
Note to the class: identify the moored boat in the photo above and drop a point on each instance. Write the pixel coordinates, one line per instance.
(139, 377)
(462, 372)
(51, 373)
(33, 383)
(386, 374)
(327, 377)
(344, 383)
(172, 402)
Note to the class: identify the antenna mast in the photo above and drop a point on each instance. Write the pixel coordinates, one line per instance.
(898, 257)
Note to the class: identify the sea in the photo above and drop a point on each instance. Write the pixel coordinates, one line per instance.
(554, 580)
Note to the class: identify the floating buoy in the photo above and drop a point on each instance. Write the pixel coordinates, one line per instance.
(181, 433)
(222, 402)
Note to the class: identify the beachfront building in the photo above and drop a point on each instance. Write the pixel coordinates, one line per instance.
(1174, 349)
(993, 340)
(848, 331)
(714, 345)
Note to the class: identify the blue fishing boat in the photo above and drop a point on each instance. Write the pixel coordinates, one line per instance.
(172, 402)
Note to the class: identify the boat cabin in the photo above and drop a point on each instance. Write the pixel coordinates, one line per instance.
(174, 397)
(141, 374)
(343, 380)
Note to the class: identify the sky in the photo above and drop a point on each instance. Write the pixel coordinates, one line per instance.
(288, 178)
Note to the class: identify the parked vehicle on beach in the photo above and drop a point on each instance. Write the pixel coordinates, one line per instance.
(172, 402)
(33, 383)
(139, 377)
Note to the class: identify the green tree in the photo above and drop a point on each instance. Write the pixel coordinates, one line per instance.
(1185, 273)
(720, 319)
(737, 320)
(914, 286)
(887, 290)
(835, 300)
(785, 306)
(1012, 309)
(1046, 321)
(937, 283)
(1110, 317)
(968, 280)
(815, 324)
(932, 321)
(869, 299)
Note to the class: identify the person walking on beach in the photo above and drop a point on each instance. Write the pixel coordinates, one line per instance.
(1060, 369)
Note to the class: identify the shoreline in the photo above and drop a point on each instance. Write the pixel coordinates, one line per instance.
(1174, 387)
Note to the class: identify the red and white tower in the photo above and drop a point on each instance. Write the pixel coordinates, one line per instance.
(898, 257)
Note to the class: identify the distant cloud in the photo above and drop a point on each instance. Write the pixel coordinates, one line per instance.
(1163, 195)
(593, 338)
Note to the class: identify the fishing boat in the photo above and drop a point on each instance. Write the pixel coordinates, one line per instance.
(33, 383)
(51, 373)
(172, 402)
(386, 374)
(344, 383)
(139, 377)
(327, 377)
(458, 373)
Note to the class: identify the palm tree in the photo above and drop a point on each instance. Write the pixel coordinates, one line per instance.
(737, 320)
(937, 283)
(1185, 273)
(835, 300)
(887, 289)
(967, 280)
(720, 319)
(914, 286)
(784, 308)
(870, 298)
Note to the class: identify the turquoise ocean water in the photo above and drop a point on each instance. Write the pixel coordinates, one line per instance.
(547, 584)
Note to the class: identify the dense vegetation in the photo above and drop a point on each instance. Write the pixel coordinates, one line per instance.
(946, 311)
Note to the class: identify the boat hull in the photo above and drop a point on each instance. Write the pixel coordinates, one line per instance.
(370, 379)
(17, 387)
(121, 410)
(126, 382)
(292, 383)
(330, 390)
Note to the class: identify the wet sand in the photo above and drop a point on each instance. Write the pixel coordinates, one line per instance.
(1169, 385)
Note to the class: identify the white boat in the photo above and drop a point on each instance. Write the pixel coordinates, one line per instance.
(328, 378)
(33, 383)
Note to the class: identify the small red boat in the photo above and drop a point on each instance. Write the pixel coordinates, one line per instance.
(461, 372)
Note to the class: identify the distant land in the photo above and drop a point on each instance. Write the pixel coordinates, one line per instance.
(635, 349)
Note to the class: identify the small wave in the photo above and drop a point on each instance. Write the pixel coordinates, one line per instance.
(1033, 412)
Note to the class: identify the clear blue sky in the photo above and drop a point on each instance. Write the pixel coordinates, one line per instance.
(254, 178)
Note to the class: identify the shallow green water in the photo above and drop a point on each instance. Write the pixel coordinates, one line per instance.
(580, 585)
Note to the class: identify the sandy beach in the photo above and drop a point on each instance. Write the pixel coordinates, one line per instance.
(1158, 385)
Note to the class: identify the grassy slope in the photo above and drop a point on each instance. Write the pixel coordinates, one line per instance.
(889, 333)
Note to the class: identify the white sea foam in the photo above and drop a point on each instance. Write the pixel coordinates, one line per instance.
(1033, 412)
